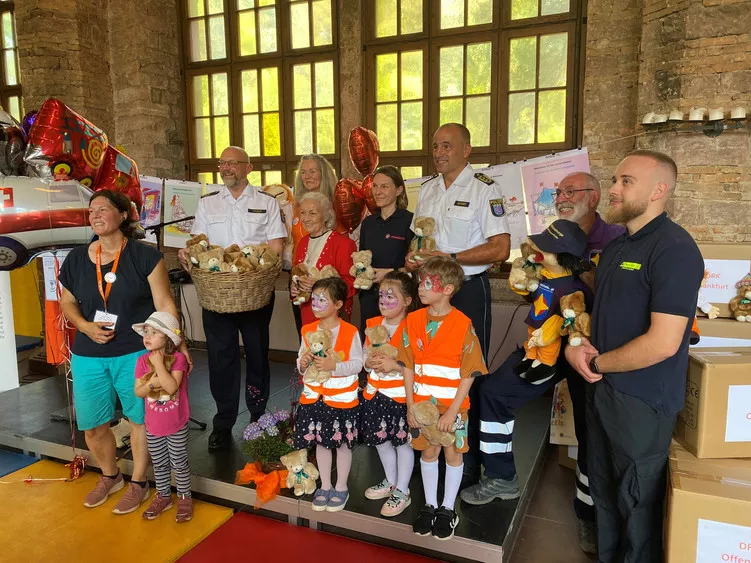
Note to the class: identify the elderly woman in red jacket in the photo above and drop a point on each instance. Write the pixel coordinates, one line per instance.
(322, 246)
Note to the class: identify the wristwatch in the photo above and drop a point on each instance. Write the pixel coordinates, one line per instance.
(593, 365)
(453, 256)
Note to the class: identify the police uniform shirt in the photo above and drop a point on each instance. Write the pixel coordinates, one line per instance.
(658, 269)
(252, 218)
(466, 215)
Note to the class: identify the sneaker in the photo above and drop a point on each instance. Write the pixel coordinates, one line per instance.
(337, 500)
(540, 374)
(488, 489)
(184, 509)
(445, 522)
(105, 486)
(321, 499)
(398, 501)
(423, 525)
(132, 499)
(587, 536)
(379, 491)
(157, 506)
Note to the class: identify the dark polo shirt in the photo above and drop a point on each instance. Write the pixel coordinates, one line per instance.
(388, 240)
(657, 270)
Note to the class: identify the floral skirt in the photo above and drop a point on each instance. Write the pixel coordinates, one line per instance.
(324, 425)
(382, 419)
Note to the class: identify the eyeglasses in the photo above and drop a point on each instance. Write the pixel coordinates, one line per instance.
(223, 163)
(568, 193)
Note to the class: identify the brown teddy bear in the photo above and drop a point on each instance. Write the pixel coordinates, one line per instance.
(378, 338)
(423, 240)
(267, 258)
(740, 305)
(525, 271)
(196, 245)
(301, 474)
(361, 270)
(297, 272)
(576, 320)
(320, 342)
(426, 415)
(157, 394)
(211, 259)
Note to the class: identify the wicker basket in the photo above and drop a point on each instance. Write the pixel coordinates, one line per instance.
(228, 292)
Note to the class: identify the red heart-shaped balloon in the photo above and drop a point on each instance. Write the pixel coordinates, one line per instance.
(348, 203)
(366, 190)
(120, 174)
(363, 150)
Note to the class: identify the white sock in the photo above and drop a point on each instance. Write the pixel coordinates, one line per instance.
(451, 485)
(406, 462)
(429, 471)
(387, 453)
(323, 460)
(343, 465)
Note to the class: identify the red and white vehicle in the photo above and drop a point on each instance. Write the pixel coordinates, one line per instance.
(36, 216)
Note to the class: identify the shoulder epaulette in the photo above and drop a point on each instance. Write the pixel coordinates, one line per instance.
(429, 179)
(209, 194)
(484, 179)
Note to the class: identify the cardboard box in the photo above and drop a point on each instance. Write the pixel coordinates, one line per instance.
(567, 456)
(708, 509)
(724, 265)
(723, 328)
(716, 420)
(562, 430)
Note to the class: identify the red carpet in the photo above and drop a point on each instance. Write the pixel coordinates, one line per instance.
(245, 536)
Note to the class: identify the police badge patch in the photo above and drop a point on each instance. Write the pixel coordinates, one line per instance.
(497, 208)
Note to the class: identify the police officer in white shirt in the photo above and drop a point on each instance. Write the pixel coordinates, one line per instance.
(237, 214)
(471, 227)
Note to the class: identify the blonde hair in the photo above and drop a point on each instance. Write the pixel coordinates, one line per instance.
(328, 177)
(447, 270)
(324, 205)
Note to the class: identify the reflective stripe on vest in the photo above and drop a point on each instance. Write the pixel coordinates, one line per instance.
(391, 385)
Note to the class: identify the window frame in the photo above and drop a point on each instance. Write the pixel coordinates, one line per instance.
(16, 90)
(286, 35)
(189, 75)
(572, 15)
(369, 28)
(435, 22)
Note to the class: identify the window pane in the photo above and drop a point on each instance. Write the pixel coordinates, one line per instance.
(411, 172)
(205, 177)
(521, 9)
(272, 142)
(303, 132)
(386, 77)
(198, 41)
(553, 51)
(386, 127)
(221, 134)
(14, 107)
(202, 131)
(411, 126)
(249, 81)
(325, 131)
(478, 120)
(322, 23)
(324, 72)
(552, 117)
(412, 75)
(254, 178)
(267, 25)
(452, 13)
(522, 63)
(300, 26)
(273, 177)
(452, 71)
(247, 28)
(521, 118)
(201, 96)
(478, 68)
(251, 135)
(9, 40)
(195, 8)
(11, 76)
(263, 3)
(245, 4)
(411, 16)
(270, 88)
(216, 36)
(554, 7)
(301, 86)
(385, 18)
(220, 103)
(216, 6)
(451, 111)
(479, 11)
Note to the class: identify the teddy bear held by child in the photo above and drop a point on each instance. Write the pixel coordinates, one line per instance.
(320, 343)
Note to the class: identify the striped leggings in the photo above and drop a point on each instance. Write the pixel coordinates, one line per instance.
(170, 452)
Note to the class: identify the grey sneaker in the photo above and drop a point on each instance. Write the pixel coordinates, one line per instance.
(488, 489)
(587, 536)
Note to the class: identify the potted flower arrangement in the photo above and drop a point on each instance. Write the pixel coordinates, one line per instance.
(269, 439)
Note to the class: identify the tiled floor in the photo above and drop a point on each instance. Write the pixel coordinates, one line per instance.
(548, 531)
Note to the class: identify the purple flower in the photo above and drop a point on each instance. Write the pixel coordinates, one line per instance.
(281, 416)
(252, 431)
(266, 421)
(272, 431)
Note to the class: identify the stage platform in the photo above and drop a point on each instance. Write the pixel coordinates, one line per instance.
(485, 533)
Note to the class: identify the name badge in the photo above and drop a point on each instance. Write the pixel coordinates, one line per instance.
(105, 317)
(461, 203)
(256, 211)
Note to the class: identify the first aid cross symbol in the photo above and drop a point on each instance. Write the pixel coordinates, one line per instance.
(7, 196)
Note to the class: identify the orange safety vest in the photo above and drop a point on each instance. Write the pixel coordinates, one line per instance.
(391, 385)
(340, 391)
(438, 361)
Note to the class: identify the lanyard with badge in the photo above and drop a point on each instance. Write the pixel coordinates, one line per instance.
(109, 278)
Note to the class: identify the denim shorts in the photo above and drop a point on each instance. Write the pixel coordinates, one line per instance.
(97, 382)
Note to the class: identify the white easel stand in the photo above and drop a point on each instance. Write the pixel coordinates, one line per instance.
(8, 359)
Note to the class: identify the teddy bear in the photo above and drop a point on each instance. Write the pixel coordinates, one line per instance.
(423, 240)
(740, 305)
(320, 343)
(157, 394)
(297, 272)
(211, 259)
(426, 415)
(361, 270)
(239, 265)
(525, 271)
(195, 246)
(267, 258)
(379, 342)
(301, 474)
(576, 320)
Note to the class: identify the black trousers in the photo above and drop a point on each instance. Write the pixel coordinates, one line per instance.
(225, 366)
(474, 299)
(629, 444)
(368, 307)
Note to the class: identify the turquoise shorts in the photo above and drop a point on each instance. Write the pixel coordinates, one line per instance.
(96, 384)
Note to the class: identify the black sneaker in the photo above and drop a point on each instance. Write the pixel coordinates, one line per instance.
(445, 522)
(540, 374)
(423, 525)
(523, 366)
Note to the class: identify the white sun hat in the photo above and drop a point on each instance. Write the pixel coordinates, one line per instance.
(163, 322)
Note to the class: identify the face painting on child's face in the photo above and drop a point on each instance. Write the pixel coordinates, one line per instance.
(389, 300)
(431, 282)
(320, 302)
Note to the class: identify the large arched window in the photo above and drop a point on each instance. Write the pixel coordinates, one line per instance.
(10, 84)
